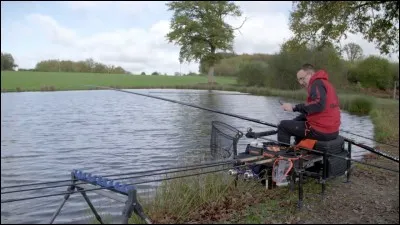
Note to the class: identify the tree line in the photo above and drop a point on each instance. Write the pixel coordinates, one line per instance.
(86, 66)
(55, 65)
(346, 66)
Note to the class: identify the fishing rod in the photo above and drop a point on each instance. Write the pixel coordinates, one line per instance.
(378, 152)
(101, 188)
(345, 131)
(388, 144)
(128, 173)
(124, 178)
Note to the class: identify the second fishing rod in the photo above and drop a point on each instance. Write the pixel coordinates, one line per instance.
(368, 148)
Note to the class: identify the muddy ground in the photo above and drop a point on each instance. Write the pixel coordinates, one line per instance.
(371, 197)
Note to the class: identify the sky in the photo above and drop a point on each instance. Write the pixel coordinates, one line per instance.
(131, 34)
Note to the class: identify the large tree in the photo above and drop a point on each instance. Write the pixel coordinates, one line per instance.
(198, 27)
(7, 61)
(353, 51)
(328, 21)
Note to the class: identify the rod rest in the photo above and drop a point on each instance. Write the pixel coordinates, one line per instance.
(267, 133)
(103, 182)
(251, 134)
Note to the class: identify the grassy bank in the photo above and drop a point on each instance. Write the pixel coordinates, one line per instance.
(215, 198)
(55, 81)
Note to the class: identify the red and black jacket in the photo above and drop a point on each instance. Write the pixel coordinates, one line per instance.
(322, 110)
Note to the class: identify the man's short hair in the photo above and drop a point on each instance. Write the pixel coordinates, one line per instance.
(307, 67)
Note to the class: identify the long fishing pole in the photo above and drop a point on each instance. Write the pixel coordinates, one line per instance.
(378, 152)
(388, 144)
(191, 105)
(122, 174)
(101, 188)
(124, 178)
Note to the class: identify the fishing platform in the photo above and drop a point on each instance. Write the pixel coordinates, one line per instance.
(286, 165)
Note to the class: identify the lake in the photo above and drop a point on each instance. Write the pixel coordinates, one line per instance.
(45, 135)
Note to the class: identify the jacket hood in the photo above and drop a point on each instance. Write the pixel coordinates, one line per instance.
(320, 74)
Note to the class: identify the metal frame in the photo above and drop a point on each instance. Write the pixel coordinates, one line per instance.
(130, 200)
(300, 172)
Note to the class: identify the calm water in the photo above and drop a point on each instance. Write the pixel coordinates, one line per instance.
(44, 135)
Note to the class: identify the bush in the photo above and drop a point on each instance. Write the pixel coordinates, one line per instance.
(360, 106)
(373, 72)
(285, 65)
(252, 74)
(352, 75)
(394, 68)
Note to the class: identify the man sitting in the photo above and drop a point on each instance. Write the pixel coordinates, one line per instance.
(320, 115)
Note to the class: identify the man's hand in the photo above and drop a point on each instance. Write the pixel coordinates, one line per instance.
(287, 107)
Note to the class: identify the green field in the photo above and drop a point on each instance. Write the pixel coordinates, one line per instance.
(45, 81)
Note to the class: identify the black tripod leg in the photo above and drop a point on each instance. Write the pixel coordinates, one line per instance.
(66, 197)
(301, 171)
(236, 179)
(324, 174)
(132, 205)
(348, 164)
(292, 180)
(70, 190)
(139, 211)
(91, 205)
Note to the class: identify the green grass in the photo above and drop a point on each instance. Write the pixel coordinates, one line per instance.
(281, 206)
(182, 200)
(385, 117)
(214, 198)
(50, 81)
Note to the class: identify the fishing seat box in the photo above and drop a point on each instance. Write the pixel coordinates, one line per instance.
(335, 166)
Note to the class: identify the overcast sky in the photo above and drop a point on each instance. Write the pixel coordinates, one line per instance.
(129, 34)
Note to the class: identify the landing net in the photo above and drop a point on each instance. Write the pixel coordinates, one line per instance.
(224, 139)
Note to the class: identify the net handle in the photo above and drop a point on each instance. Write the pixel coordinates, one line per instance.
(238, 135)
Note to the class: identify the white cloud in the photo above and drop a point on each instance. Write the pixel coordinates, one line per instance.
(133, 7)
(57, 33)
(260, 34)
(139, 49)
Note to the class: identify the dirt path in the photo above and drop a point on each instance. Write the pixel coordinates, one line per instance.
(371, 197)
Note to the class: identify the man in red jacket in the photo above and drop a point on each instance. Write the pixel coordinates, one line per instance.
(320, 115)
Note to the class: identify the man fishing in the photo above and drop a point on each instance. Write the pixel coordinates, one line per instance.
(320, 115)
